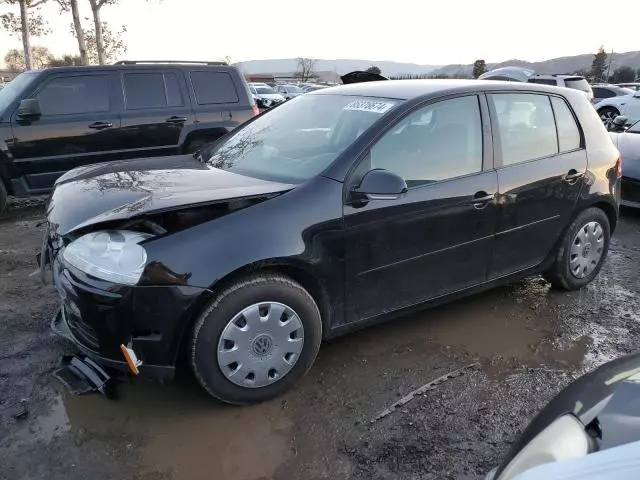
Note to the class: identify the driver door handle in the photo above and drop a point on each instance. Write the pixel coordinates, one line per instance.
(481, 200)
(572, 176)
(101, 125)
(175, 119)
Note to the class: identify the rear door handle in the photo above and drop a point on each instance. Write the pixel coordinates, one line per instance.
(176, 119)
(481, 200)
(101, 125)
(572, 176)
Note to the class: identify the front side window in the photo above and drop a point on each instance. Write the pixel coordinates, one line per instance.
(568, 132)
(527, 127)
(75, 95)
(599, 92)
(299, 139)
(437, 142)
(144, 90)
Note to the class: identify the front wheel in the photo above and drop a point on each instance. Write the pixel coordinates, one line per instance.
(582, 252)
(608, 115)
(256, 339)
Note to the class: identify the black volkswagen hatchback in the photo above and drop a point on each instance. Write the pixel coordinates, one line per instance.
(339, 208)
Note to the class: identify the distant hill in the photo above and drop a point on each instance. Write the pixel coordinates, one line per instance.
(340, 66)
(555, 65)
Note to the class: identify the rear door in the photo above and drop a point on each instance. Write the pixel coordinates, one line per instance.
(155, 112)
(541, 163)
(78, 126)
(437, 238)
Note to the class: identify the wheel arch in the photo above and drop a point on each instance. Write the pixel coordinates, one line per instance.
(208, 133)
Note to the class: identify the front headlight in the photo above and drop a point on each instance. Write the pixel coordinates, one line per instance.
(112, 255)
(565, 438)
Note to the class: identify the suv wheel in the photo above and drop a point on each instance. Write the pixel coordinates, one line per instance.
(256, 339)
(3, 198)
(582, 251)
(608, 115)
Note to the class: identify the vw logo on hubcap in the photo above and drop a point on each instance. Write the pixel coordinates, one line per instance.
(262, 345)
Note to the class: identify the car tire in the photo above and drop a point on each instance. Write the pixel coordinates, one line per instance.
(607, 115)
(223, 330)
(197, 143)
(3, 198)
(575, 263)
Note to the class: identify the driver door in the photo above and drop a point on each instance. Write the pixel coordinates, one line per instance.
(436, 239)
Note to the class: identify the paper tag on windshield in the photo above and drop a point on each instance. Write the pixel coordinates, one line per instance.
(369, 106)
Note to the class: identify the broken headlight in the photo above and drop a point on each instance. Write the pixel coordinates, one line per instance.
(113, 255)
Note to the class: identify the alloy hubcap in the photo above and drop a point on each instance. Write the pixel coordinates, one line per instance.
(260, 344)
(607, 118)
(586, 250)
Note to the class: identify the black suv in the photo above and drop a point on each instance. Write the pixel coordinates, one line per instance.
(57, 119)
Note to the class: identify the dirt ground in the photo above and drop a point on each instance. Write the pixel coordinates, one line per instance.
(529, 341)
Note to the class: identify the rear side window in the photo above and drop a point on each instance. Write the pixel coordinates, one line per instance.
(599, 92)
(74, 95)
(213, 87)
(543, 81)
(527, 127)
(151, 90)
(568, 133)
(577, 83)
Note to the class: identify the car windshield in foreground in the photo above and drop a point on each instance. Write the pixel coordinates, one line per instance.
(635, 128)
(14, 88)
(298, 139)
(265, 90)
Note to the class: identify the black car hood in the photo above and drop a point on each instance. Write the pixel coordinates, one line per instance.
(360, 76)
(130, 188)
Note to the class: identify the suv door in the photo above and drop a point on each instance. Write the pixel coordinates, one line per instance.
(437, 238)
(155, 113)
(541, 162)
(78, 126)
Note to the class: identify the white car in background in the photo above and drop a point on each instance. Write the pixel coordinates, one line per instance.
(627, 105)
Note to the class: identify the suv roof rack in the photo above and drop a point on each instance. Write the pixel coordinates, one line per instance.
(137, 62)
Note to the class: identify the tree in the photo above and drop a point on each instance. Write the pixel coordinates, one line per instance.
(599, 65)
(306, 69)
(40, 58)
(374, 69)
(72, 5)
(624, 74)
(24, 25)
(99, 35)
(113, 44)
(479, 67)
(226, 59)
(66, 61)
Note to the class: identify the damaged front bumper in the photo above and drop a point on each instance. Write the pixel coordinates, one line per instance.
(99, 317)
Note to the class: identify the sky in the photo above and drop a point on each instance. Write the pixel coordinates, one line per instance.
(419, 31)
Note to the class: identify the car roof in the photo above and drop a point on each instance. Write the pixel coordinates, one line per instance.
(408, 89)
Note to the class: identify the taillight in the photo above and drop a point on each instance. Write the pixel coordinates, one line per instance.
(255, 110)
(619, 167)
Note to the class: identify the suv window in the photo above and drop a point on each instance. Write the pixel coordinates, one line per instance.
(577, 83)
(437, 142)
(213, 87)
(73, 95)
(151, 90)
(527, 127)
(568, 132)
(544, 81)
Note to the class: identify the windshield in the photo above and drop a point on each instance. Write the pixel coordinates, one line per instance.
(299, 139)
(635, 128)
(266, 90)
(14, 88)
(293, 89)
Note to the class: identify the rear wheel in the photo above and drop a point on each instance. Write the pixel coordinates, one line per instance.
(3, 198)
(256, 339)
(197, 143)
(582, 251)
(608, 115)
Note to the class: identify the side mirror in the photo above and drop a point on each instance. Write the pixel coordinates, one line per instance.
(380, 184)
(619, 123)
(636, 93)
(29, 109)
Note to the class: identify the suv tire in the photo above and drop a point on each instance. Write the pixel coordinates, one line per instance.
(582, 251)
(3, 198)
(257, 347)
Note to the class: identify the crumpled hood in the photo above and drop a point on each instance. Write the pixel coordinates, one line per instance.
(121, 190)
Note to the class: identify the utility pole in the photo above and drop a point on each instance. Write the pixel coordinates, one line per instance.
(606, 80)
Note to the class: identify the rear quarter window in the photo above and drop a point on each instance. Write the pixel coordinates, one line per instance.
(213, 88)
(568, 132)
